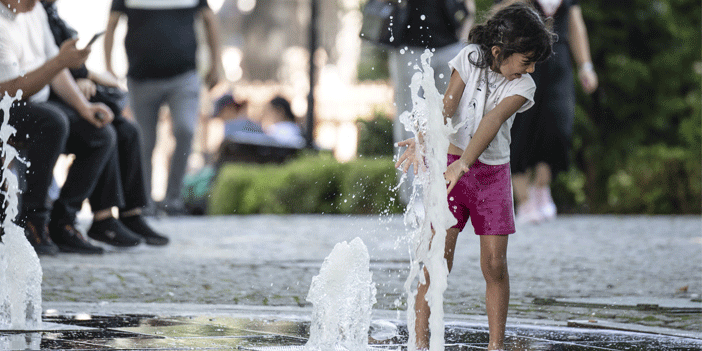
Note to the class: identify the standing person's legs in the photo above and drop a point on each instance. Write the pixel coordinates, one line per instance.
(184, 103)
(146, 98)
(42, 131)
(493, 262)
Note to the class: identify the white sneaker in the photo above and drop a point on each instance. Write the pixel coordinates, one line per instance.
(528, 212)
(546, 206)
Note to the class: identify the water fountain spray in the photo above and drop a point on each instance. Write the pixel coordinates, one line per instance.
(428, 210)
(20, 271)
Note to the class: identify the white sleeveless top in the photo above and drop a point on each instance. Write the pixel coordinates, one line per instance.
(472, 106)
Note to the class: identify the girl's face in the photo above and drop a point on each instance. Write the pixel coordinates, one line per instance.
(515, 65)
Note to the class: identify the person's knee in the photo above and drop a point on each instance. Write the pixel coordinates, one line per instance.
(183, 134)
(107, 136)
(128, 133)
(494, 268)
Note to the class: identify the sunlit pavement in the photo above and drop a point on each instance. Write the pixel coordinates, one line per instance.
(241, 282)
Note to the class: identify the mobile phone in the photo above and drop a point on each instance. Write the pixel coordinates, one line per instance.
(94, 38)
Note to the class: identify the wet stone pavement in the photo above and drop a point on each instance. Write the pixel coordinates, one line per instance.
(241, 282)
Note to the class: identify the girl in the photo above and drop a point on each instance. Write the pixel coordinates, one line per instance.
(489, 84)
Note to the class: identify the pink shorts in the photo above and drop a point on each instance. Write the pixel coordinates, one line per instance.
(485, 195)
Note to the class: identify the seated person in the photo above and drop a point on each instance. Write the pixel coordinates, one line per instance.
(46, 128)
(279, 123)
(125, 162)
(233, 114)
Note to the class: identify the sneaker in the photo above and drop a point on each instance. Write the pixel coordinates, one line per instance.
(38, 236)
(546, 206)
(69, 239)
(138, 225)
(111, 231)
(528, 212)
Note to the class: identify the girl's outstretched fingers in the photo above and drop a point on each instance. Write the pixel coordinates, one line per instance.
(409, 157)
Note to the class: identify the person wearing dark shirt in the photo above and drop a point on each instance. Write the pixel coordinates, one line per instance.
(541, 136)
(161, 49)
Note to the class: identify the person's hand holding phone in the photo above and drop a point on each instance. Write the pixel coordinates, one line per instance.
(70, 56)
(94, 38)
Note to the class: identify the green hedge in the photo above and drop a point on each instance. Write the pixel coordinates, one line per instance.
(309, 184)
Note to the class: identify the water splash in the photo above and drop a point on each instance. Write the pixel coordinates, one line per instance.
(428, 210)
(20, 271)
(342, 295)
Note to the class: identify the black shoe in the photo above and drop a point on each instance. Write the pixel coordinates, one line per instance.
(138, 225)
(69, 239)
(111, 231)
(38, 236)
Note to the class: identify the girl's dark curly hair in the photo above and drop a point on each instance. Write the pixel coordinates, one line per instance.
(515, 28)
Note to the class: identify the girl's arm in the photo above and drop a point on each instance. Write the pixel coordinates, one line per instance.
(486, 132)
(453, 94)
(452, 97)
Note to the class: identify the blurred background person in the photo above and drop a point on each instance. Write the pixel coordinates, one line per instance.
(541, 136)
(279, 123)
(161, 49)
(131, 229)
(430, 26)
(235, 117)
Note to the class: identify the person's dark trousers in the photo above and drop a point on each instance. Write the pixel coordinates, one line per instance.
(126, 161)
(42, 132)
(93, 147)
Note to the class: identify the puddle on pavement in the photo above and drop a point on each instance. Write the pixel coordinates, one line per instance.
(153, 332)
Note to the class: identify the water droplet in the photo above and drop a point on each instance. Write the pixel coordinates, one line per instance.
(422, 17)
(441, 75)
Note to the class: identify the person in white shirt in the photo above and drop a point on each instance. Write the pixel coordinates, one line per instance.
(31, 66)
(279, 124)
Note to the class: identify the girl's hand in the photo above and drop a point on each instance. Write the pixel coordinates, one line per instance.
(409, 157)
(454, 172)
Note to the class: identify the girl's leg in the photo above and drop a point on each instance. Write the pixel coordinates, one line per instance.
(421, 305)
(493, 261)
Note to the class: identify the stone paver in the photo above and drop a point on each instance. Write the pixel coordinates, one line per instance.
(270, 261)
